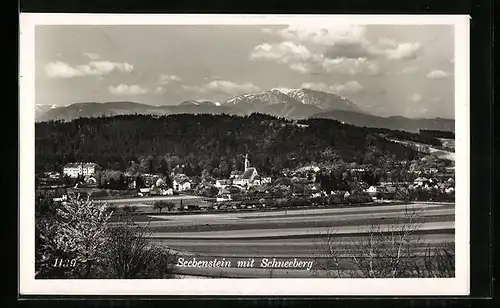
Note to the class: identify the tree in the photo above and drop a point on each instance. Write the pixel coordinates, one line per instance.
(168, 181)
(224, 169)
(159, 205)
(139, 182)
(130, 254)
(205, 175)
(385, 251)
(216, 173)
(171, 205)
(77, 232)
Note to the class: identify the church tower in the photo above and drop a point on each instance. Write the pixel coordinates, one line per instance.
(247, 163)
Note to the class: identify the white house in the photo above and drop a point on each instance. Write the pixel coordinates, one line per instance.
(181, 182)
(224, 198)
(266, 180)
(372, 190)
(421, 181)
(182, 185)
(60, 199)
(222, 183)
(144, 191)
(346, 194)
(73, 170)
(167, 192)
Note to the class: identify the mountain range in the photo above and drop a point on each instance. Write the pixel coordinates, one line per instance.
(288, 103)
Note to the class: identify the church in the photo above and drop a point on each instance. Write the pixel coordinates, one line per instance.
(249, 176)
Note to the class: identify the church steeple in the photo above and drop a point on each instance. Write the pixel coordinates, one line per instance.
(247, 163)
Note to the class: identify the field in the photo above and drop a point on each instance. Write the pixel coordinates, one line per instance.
(287, 235)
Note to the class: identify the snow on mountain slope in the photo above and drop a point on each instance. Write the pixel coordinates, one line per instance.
(272, 97)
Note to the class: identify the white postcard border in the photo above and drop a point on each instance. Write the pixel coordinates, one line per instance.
(310, 286)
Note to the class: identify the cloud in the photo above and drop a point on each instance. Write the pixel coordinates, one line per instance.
(123, 89)
(408, 70)
(93, 68)
(164, 79)
(284, 52)
(347, 41)
(296, 56)
(403, 51)
(322, 34)
(342, 49)
(365, 49)
(351, 50)
(350, 66)
(416, 97)
(339, 41)
(437, 74)
(299, 58)
(91, 56)
(349, 87)
(159, 90)
(223, 86)
(300, 67)
(387, 41)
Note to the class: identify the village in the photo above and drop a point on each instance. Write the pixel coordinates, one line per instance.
(427, 179)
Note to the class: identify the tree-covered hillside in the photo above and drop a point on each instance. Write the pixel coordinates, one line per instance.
(214, 143)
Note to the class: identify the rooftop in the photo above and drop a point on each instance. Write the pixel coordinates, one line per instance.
(180, 178)
(247, 175)
(75, 165)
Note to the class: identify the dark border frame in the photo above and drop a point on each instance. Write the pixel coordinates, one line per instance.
(481, 119)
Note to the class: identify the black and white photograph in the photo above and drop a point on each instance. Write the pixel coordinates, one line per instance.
(241, 154)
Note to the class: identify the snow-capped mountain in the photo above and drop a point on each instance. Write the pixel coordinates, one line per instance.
(323, 100)
(319, 99)
(41, 109)
(271, 97)
(281, 102)
(289, 103)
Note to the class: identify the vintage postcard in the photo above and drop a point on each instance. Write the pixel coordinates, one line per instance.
(244, 154)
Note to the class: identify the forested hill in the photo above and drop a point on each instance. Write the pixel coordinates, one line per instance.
(215, 143)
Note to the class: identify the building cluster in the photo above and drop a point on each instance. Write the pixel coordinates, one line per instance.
(75, 170)
(400, 179)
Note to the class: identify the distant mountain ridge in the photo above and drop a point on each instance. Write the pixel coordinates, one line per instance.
(288, 103)
(394, 122)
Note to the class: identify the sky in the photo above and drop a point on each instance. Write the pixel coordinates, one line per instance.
(387, 70)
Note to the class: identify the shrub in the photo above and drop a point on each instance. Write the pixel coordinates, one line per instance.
(75, 232)
(130, 255)
(80, 231)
